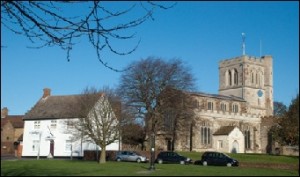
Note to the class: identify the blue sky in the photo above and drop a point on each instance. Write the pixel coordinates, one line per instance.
(199, 33)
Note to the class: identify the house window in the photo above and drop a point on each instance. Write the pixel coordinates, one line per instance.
(210, 106)
(37, 124)
(235, 108)
(220, 144)
(223, 106)
(70, 125)
(205, 135)
(53, 124)
(68, 146)
(35, 145)
(247, 139)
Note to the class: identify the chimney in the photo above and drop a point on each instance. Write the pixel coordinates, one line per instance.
(4, 112)
(46, 92)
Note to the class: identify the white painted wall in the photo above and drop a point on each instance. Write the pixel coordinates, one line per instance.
(236, 136)
(216, 143)
(61, 136)
(228, 141)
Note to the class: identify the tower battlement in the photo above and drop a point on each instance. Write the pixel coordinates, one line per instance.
(245, 59)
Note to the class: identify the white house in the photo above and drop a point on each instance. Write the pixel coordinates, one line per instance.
(229, 139)
(47, 132)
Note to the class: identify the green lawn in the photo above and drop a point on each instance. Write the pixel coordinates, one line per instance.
(251, 158)
(45, 167)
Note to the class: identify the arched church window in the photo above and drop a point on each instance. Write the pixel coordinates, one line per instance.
(260, 79)
(205, 134)
(168, 120)
(247, 138)
(223, 107)
(235, 108)
(235, 77)
(229, 77)
(210, 105)
(252, 77)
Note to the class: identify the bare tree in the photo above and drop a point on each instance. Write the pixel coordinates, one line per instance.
(177, 108)
(133, 134)
(46, 23)
(144, 82)
(279, 109)
(98, 120)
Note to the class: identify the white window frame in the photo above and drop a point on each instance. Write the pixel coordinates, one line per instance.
(37, 124)
(53, 124)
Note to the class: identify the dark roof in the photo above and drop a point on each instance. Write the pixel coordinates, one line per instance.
(15, 120)
(223, 97)
(225, 130)
(56, 107)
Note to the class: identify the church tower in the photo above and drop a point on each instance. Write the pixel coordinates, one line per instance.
(249, 78)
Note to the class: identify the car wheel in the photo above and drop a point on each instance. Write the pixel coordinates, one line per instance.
(204, 163)
(229, 164)
(182, 162)
(160, 161)
(138, 160)
(118, 159)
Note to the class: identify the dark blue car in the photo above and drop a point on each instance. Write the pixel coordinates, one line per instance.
(216, 158)
(172, 157)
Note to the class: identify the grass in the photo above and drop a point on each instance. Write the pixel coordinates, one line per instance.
(251, 158)
(45, 167)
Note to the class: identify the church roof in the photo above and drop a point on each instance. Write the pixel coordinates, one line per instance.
(225, 130)
(56, 107)
(223, 97)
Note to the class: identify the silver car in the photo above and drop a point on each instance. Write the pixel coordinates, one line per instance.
(131, 156)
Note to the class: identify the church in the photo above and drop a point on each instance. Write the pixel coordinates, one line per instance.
(230, 121)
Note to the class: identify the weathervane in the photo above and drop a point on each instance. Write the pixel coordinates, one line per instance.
(243, 45)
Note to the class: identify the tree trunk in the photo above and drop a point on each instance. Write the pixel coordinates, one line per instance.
(103, 155)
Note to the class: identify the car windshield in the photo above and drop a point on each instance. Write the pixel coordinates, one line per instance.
(175, 154)
(226, 155)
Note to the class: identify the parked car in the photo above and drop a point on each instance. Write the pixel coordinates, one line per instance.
(216, 158)
(171, 157)
(131, 156)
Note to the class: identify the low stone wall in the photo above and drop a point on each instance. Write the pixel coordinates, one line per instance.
(111, 155)
(270, 165)
(92, 155)
(290, 150)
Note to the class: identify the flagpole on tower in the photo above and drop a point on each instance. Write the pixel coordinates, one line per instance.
(243, 44)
